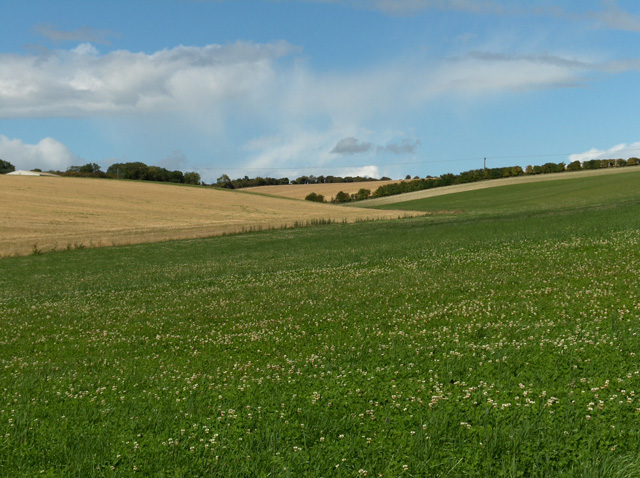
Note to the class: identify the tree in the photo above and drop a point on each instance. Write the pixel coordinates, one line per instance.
(192, 178)
(6, 167)
(362, 194)
(224, 181)
(314, 197)
(342, 197)
(574, 166)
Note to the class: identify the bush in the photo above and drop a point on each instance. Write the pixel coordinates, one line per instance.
(314, 197)
(342, 197)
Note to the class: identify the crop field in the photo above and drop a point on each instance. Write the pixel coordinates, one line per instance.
(561, 192)
(387, 201)
(329, 190)
(44, 213)
(502, 344)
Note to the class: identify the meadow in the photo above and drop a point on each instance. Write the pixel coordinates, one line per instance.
(498, 344)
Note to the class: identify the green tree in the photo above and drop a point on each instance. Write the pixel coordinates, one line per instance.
(342, 197)
(574, 166)
(314, 197)
(362, 194)
(192, 178)
(6, 167)
(224, 181)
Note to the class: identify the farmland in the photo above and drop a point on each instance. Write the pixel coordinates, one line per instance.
(474, 344)
(41, 213)
(493, 183)
(553, 192)
(328, 190)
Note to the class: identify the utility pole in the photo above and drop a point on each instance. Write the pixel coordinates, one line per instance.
(485, 164)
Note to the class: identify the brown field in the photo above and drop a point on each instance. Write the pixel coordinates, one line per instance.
(45, 213)
(300, 191)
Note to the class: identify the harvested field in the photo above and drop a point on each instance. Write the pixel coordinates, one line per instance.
(44, 213)
(300, 191)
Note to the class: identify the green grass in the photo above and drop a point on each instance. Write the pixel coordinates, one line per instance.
(500, 345)
(563, 194)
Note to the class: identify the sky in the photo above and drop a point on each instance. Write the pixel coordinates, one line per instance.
(285, 88)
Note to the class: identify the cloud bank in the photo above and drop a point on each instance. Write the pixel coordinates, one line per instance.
(622, 150)
(48, 154)
(80, 82)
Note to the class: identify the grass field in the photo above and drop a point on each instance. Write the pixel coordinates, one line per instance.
(42, 213)
(493, 183)
(564, 191)
(499, 344)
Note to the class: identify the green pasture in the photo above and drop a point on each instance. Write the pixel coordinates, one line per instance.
(458, 345)
(556, 195)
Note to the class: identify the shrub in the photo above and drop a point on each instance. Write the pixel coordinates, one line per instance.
(314, 197)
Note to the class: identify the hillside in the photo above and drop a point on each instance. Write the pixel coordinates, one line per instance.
(329, 190)
(561, 191)
(492, 183)
(56, 213)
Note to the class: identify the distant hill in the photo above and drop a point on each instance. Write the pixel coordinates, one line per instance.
(491, 183)
(57, 213)
(328, 190)
(520, 195)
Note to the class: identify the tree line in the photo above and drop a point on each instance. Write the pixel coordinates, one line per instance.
(474, 175)
(225, 181)
(135, 170)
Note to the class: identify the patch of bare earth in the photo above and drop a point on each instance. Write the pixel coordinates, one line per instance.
(47, 213)
(329, 190)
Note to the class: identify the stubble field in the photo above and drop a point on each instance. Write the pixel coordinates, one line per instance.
(329, 190)
(46, 213)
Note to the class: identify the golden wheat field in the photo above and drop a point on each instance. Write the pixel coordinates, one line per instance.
(300, 191)
(50, 213)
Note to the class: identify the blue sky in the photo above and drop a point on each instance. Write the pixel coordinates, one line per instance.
(291, 87)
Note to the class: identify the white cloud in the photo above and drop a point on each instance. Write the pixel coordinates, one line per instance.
(362, 171)
(48, 154)
(622, 150)
(80, 82)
